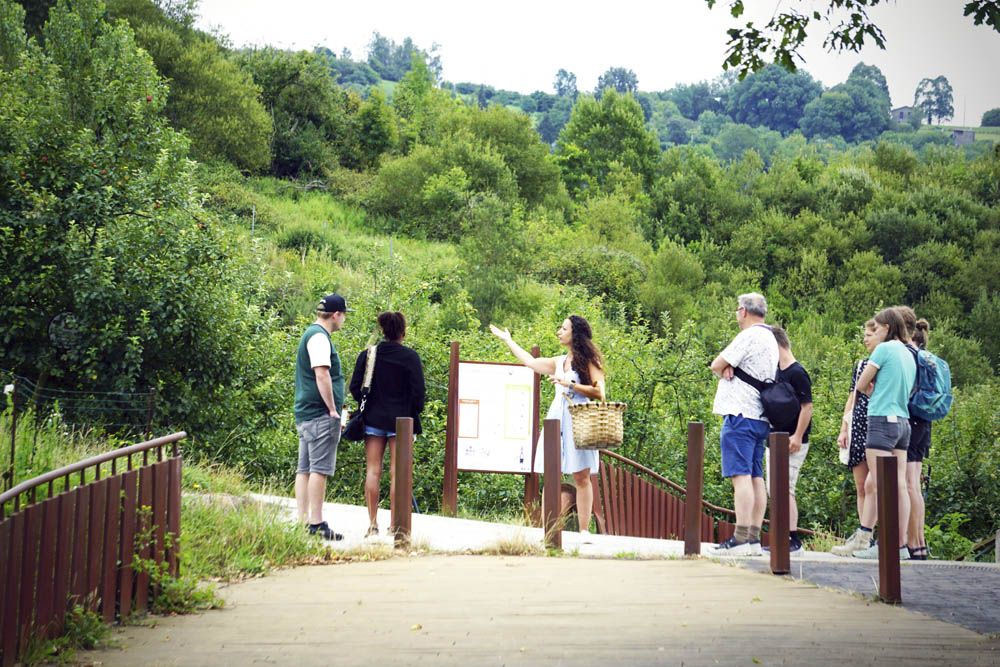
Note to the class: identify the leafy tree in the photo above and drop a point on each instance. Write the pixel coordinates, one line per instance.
(211, 99)
(677, 132)
(773, 97)
(991, 118)
(376, 130)
(565, 84)
(96, 193)
(310, 113)
(620, 79)
(349, 74)
(857, 110)
(601, 132)
(734, 140)
(784, 34)
(934, 97)
(392, 61)
(871, 73)
(555, 119)
(694, 99)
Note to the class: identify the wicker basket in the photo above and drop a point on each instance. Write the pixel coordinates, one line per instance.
(597, 424)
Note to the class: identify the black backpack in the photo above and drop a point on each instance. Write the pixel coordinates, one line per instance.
(780, 401)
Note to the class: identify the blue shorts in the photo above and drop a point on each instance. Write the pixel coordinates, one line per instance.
(742, 442)
(371, 430)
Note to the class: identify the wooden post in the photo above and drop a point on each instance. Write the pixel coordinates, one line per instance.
(888, 526)
(695, 478)
(778, 478)
(531, 479)
(402, 482)
(449, 501)
(552, 498)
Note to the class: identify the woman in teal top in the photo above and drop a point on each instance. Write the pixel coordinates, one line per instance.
(888, 379)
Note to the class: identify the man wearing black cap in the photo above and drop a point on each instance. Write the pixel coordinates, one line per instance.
(319, 399)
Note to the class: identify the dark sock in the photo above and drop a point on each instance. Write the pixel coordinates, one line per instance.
(794, 534)
(754, 534)
(742, 534)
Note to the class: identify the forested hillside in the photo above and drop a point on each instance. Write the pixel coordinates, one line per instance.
(180, 206)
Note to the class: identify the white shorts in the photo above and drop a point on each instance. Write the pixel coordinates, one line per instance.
(795, 462)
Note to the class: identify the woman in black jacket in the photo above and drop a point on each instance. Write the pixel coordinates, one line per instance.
(397, 390)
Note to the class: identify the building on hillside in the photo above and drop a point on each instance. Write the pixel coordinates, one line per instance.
(901, 114)
(963, 137)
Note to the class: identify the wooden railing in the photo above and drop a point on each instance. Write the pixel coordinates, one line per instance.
(639, 502)
(79, 546)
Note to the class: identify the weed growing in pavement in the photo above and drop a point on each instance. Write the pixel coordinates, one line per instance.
(84, 630)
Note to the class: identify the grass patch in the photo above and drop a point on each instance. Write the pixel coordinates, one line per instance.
(514, 544)
(232, 538)
(84, 631)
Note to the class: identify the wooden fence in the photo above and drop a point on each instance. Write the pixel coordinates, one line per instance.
(80, 545)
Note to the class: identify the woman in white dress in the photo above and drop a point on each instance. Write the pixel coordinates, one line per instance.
(579, 376)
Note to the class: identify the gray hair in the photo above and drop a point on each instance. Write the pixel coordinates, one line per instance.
(753, 303)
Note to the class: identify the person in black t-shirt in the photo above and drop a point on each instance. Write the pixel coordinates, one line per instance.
(791, 371)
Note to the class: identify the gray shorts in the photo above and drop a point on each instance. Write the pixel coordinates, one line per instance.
(886, 435)
(318, 440)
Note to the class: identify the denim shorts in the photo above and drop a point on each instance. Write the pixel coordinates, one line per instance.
(742, 442)
(371, 430)
(318, 440)
(886, 435)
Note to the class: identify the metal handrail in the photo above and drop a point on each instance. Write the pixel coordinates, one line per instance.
(81, 466)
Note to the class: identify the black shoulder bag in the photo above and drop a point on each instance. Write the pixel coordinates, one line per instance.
(355, 429)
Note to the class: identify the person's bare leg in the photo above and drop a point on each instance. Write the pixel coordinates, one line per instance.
(316, 493)
(793, 513)
(759, 503)
(860, 475)
(869, 513)
(904, 496)
(374, 452)
(915, 534)
(392, 471)
(584, 498)
(302, 496)
(743, 499)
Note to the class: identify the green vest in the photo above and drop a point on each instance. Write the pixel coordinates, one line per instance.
(308, 402)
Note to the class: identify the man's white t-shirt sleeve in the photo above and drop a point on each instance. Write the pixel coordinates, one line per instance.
(736, 351)
(318, 347)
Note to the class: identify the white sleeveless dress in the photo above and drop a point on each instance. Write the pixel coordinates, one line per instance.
(573, 459)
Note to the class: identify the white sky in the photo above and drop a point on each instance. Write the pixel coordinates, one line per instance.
(518, 45)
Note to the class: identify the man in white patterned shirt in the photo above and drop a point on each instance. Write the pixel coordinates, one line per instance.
(744, 427)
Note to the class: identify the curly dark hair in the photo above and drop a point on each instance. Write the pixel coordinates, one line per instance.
(585, 353)
(393, 325)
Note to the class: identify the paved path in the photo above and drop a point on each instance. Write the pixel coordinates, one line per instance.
(472, 610)
(596, 606)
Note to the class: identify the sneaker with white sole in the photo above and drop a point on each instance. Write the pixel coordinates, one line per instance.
(755, 548)
(861, 539)
(732, 548)
(871, 553)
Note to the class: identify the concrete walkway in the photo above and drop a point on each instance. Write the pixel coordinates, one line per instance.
(436, 608)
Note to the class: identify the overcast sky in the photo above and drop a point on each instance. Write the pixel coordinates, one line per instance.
(518, 45)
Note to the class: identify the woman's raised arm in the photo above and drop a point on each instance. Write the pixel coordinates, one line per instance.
(541, 365)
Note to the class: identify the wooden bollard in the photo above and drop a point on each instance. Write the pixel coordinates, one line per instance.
(552, 497)
(402, 482)
(778, 478)
(888, 522)
(695, 479)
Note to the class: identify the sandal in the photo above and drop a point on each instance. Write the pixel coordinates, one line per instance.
(372, 530)
(918, 553)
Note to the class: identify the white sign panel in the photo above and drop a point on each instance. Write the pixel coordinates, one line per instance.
(494, 417)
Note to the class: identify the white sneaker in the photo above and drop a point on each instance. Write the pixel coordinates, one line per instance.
(858, 541)
(731, 548)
